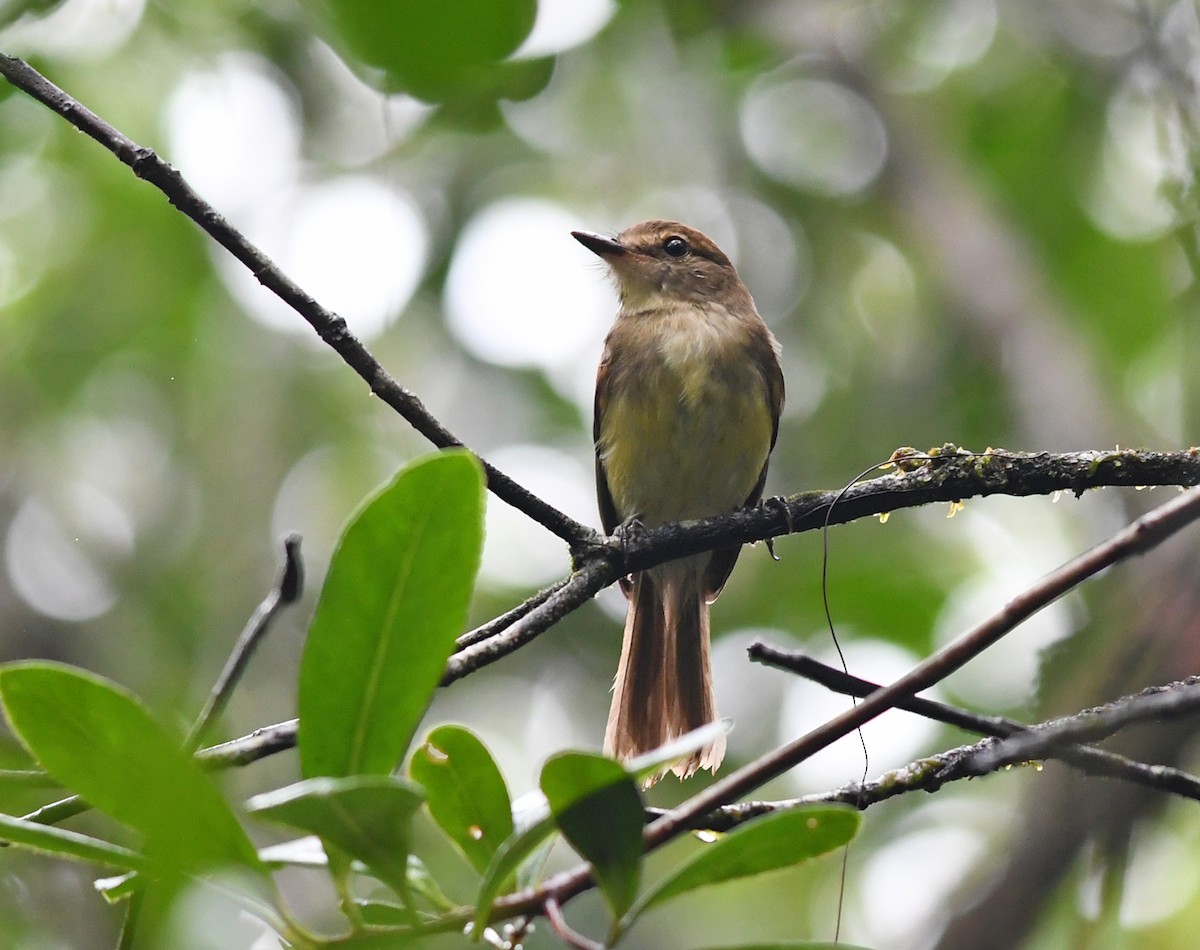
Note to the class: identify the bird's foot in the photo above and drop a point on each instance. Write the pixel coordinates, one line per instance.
(779, 505)
(630, 532)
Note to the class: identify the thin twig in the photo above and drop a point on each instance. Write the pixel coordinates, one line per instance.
(259, 744)
(839, 681)
(287, 590)
(507, 619)
(562, 930)
(54, 812)
(1085, 758)
(1158, 702)
(581, 587)
(329, 326)
(948, 477)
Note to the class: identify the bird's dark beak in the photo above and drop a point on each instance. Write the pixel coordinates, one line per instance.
(598, 244)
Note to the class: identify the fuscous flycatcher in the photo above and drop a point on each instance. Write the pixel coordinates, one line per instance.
(688, 397)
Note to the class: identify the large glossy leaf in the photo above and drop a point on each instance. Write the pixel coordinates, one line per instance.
(775, 841)
(99, 741)
(67, 844)
(367, 817)
(394, 600)
(596, 804)
(466, 792)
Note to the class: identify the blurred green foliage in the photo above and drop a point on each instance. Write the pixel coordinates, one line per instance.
(964, 220)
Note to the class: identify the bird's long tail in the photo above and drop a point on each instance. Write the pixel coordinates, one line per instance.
(663, 687)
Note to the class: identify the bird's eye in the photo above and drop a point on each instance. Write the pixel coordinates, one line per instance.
(675, 246)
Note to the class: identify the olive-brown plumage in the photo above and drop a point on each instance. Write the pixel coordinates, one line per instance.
(688, 397)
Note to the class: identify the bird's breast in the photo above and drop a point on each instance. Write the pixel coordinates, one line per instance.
(687, 426)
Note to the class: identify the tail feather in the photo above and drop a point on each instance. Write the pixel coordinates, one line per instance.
(663, 687)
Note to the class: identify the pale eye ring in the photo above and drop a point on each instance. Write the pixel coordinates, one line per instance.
(675, 246)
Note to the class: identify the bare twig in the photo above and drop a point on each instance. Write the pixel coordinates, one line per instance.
(259, 744)
(839, 682)
(951, 475)
(507, 619)
(562, 930)
(932, 772)
(1085, 758)
(1158, 702)
(54, 812)
(581, 587)
(329, 326)
(287, 590)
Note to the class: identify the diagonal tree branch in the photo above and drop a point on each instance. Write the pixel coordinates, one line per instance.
(930, 773)
(287, 590)
(1157, 702)
(1087, 759)
(331, 328)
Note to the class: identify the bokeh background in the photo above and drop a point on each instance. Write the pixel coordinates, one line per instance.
(965, 220)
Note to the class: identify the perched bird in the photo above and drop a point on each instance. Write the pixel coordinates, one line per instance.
(688, 397)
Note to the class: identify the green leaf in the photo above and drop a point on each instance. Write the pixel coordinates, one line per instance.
(367, 817)
(775, 841)
(597, 806)
(535, 825)
(521, 79)
(466, 792)
(67, 844)
(433, 49)
(99, 741)
(395, 598)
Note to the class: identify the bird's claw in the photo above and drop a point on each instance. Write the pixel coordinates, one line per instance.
(779, 504)
(629, 532)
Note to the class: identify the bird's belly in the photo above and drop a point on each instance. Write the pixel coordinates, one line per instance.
(673, 451)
